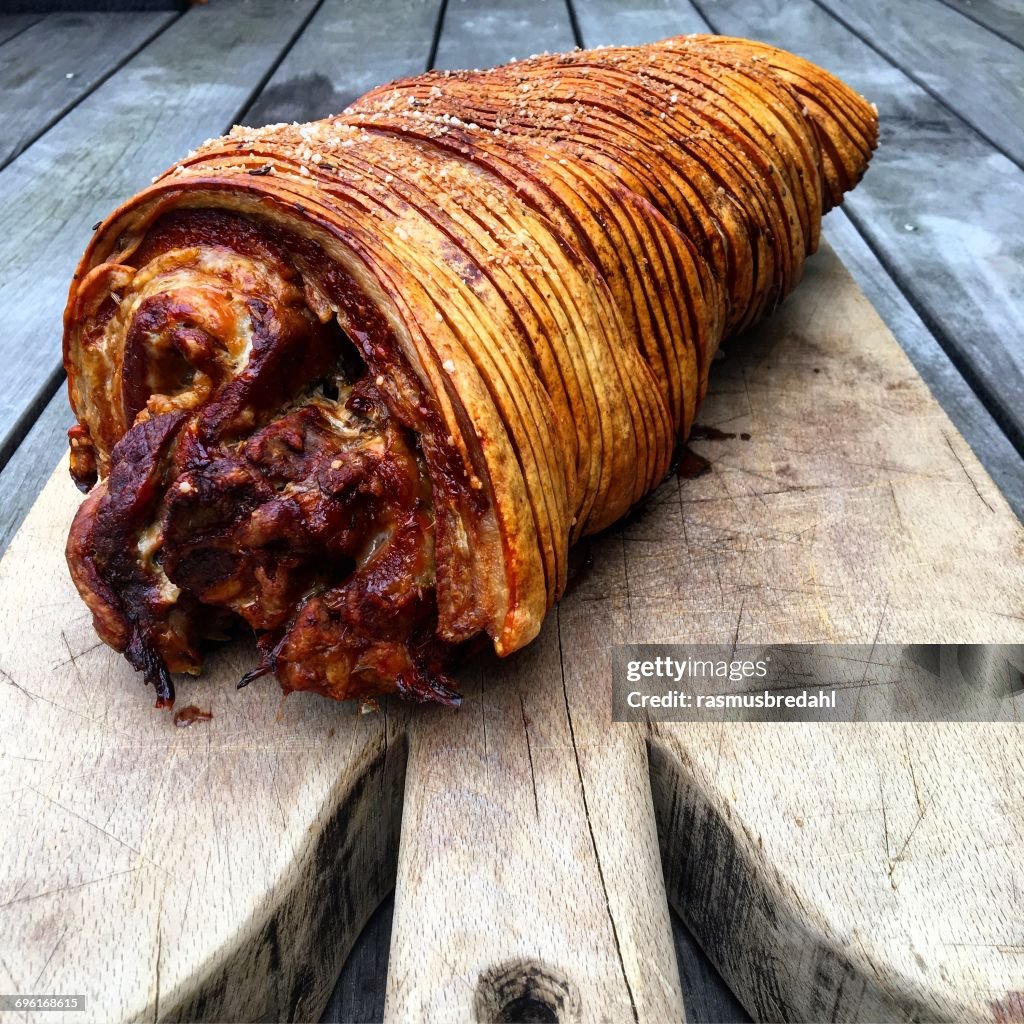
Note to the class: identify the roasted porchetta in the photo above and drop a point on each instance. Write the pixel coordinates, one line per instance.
(361, 383)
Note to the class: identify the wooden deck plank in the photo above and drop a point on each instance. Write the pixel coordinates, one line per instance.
(1004, 17)
(169, 97)
(346, 49)
(611, 23)
(37, 89)
(940, 208)
(478, 33)
(706, 997)
(970, 69)
(359, 993)
(14, 24)
(32, 463)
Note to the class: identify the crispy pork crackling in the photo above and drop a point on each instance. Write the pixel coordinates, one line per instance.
(361, 383)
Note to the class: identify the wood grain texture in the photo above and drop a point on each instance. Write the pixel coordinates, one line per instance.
(972, 420)
(60, 59)
(610, 23)
(347, 48)
(360, 991)
(216, 872)
(872, 871)
(529, 865)
(940, 208)
(176, 92)
(972, 70)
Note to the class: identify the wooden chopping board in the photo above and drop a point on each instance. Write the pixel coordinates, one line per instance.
(849, 872)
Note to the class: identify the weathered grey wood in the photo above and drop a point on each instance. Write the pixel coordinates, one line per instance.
(32, 463)
(1003, 16)
(346, 49)
(478, 33)
(122, 6)
(992, 447)
(13, 24)
(179, 90)
(47, 69)
(610, 23)
(942, 210)
(969, 68)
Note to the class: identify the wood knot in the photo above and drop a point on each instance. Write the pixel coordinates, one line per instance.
(525, 992)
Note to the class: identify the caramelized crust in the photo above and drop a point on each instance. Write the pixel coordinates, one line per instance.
(360, 383)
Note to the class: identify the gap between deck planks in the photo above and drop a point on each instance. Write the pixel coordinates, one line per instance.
(1004, 17)
(12, 25)
(965, 66)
